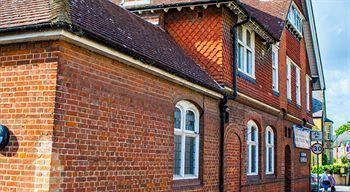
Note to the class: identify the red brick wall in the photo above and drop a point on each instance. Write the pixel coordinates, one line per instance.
(27, 99)
(114, 127)
(239, 116)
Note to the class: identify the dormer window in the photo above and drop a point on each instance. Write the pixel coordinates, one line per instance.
(295, 20)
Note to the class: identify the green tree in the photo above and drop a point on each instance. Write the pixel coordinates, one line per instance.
(342, 129)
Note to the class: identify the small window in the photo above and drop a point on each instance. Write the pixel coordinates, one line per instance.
(289, 79)
(275, 69)
(270, 151)
(252, 144)
(307, 83)
(245, 51)
(186, 141)
(295, 18)
(297, 86)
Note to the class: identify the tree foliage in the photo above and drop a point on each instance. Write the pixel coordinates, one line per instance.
(343, 128)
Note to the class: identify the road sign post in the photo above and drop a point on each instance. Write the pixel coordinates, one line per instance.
(317, 149)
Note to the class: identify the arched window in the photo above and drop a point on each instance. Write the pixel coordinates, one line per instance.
(270, 150)
(253, 148)
(186, 141)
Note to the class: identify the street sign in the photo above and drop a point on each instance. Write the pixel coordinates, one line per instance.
(317, 148)
(316, 136)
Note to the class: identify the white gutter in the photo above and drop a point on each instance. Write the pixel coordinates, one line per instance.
(106, 51)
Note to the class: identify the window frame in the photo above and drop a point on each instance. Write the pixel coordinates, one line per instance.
(267, 147)
(275, 66)
(246, 48)
(307, 90)
(289, 78)
(293, 12)
(185, 106)
(297, 85)
(250, 143)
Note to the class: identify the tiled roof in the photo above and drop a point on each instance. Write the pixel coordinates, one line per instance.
(112, 25)
(271, 14)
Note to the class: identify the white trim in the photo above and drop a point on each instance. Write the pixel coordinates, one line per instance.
(275, 67)
(246, 48)
(307, 90)
(251, 124)
(269, 146)
(106, 51)
(184, 107)
(134, 3)
(297, 86)
(289, 78)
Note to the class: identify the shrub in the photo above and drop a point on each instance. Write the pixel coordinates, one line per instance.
(335, 168)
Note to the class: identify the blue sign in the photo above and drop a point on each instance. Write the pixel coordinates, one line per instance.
(4, 136)
(348, 148)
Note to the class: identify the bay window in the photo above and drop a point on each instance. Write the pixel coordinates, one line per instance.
(186, 141)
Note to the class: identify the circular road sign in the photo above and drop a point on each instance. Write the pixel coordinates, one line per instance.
(348, 156)
(317, 148)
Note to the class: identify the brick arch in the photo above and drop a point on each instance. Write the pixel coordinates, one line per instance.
(197, 101)
(233, 159)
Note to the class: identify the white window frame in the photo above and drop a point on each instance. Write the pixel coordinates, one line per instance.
(275, 63)
(297, 85)
(134, 3)
(245, 46)
(270, 146)
(250, 143)
(295, 17)
(308, 80)
(185, 106)
(289, 78)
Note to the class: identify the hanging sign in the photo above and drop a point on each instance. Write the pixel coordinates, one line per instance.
(301, 137)
(316, 135)
(4, 136)
(317, 148)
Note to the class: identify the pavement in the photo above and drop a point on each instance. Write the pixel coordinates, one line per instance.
(341, 189)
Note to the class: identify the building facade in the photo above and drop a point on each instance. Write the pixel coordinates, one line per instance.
(210, 99)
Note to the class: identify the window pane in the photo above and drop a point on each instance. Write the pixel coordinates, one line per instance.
(248, 36)
(190, 120)
(190, 155)
(240, 56)
(269, 137)
(248, 160)
(239, 33)
(177, 118)
(253, 160)
(274, 78)
(249, 62)
(252, 133)
(177, 155)
(270, 157)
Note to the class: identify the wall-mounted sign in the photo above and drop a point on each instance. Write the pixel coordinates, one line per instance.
(316, 135)
(317, 148)
(4, 136)
(301, 137)
(303, 157)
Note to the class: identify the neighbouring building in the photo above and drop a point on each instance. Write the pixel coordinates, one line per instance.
(157, 95)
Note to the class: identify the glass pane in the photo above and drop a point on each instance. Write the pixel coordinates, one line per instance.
(190, 155)
(270, 159)
(177, 119)
(253, 160)
(274, 78)
(248, 39)
(249, 62)
(269, 137)
(190, 120)
(239, 33)
(252, 133)
(273, 59)
(240, 56)
(177, 155)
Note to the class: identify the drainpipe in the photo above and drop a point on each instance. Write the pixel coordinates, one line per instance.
(223, 108)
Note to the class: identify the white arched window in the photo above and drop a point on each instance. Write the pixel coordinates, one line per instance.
(270, 150)
(186, 141)
(253, 148)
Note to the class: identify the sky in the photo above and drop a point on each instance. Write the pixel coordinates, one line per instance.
(333, 29)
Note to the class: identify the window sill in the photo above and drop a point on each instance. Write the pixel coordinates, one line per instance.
(290, 101)
(246, 77)
(276, 93)
(251, 179)
(187, 184)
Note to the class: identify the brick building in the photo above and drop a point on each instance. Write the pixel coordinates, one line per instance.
(97, 99)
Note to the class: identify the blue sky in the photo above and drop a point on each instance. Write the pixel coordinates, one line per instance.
(333, 28)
